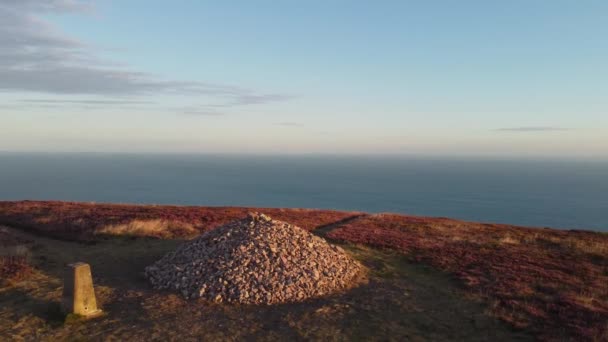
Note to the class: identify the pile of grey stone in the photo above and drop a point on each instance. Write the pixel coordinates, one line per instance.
(256, 261)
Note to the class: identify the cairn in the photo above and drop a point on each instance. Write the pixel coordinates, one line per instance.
(257, 260)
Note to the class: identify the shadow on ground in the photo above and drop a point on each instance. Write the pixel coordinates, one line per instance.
(401, 301)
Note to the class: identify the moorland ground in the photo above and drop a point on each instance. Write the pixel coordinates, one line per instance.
(430, 278)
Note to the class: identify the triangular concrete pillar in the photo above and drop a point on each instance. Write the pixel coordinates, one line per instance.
(78, 293)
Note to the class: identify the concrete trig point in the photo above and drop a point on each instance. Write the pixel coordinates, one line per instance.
(78, 293)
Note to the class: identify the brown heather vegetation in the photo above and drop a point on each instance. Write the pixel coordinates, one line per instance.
(89, 221)
(552, 282)
(14, 265)
(13, 268)
(401, 301)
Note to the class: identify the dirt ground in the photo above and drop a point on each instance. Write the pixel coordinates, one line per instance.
(401, 301)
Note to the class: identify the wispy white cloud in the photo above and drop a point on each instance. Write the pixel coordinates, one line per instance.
(246, 99)
(531, 129)
(35, 56)
(86, 102)
(200, 111)
(289, 124)
(48, 5)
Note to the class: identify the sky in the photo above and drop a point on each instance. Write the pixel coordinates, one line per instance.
(499, 78)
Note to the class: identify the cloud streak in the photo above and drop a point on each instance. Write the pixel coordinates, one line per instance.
(532, 129)
(37, 57)
(200, 111)
(289, 124)
(85, 102)
(48, 5)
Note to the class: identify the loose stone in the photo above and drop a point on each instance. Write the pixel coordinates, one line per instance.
(257, 260)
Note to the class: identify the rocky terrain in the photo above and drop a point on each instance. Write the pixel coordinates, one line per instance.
(256, 261)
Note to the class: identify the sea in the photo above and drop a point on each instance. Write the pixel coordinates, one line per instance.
(565, 194)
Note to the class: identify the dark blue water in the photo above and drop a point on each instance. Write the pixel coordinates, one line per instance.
(561, 194)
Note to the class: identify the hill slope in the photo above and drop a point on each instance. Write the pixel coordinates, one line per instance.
(551, 283)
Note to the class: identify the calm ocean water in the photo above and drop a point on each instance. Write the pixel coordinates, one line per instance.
(561, 194)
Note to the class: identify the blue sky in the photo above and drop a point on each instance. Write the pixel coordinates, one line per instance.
(510, 78)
